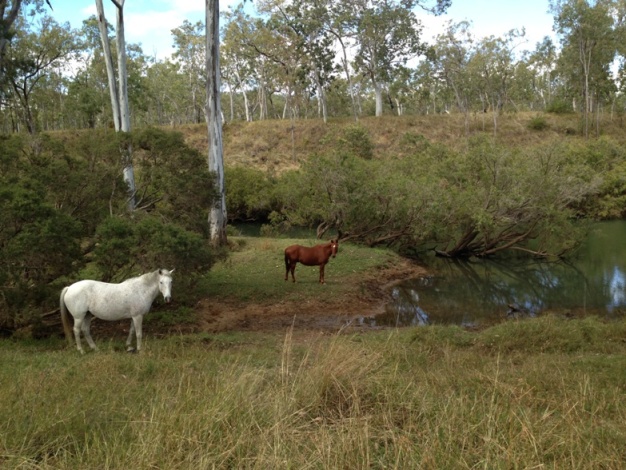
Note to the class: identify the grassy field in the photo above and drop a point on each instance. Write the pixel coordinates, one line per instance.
(544, 393)
(255, 270)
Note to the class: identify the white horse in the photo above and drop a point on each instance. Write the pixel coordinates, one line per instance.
(129, 299)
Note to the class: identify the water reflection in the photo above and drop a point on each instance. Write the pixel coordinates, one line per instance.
(479, 292)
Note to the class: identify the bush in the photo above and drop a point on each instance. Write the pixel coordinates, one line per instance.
(538, 123)
(356, 142)
(250, 194)
(560, 107)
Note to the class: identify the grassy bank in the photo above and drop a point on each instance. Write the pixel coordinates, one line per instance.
(547, 392)
(255, 270)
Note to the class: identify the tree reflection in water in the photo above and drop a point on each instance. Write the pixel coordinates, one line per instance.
(479, 292)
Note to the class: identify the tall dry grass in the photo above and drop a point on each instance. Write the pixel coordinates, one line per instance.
(434, 397)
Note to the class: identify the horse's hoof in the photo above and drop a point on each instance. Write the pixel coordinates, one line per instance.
(131, 350)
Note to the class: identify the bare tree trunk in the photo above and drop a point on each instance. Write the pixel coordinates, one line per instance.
(378, 90)
(108, 60)
(119, 92)
(217, 214)
(127, 149)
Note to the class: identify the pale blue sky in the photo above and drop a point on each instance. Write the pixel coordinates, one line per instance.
(150, 22)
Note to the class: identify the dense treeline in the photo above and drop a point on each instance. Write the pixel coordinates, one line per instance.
(319, 59)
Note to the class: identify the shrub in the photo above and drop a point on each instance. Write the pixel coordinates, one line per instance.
(559, 107)
(357, 142)
(538, 123)
(250, 194)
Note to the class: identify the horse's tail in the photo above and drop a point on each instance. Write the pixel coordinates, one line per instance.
(64, 317)
(286, 259)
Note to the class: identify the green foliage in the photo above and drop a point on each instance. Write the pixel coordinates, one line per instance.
(250, 194)
(38, 240)
(481, 201)
(173, 178)
(538, 123)
(63, 206)
(560, 106)
(607, 159)
(144, 243)
(357, 142)
(498, 198)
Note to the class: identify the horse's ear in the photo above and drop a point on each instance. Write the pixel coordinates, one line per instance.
(172, 270)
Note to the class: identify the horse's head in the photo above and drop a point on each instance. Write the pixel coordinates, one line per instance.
(334, 247)
(165, 284)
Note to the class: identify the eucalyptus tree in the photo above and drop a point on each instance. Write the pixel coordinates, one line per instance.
(588, 49)
(240, 64)
(542, 61)
(450, 56)
(88, 92)
(493, 64)
(387, 35)
(429, 90)
(167, 92)
(337, 22)
(283, 40)
(217, 214)
(309, 22)
(189, 45)
(119, 91)
(9, 12)
(259, 58)
(38, 45)
(280, 61)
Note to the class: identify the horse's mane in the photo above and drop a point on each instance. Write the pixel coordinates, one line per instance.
(146, 277)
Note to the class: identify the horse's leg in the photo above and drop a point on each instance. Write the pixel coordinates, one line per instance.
(86, 331)
(292, 267)
(137, 320)
(129, 341)
(78, 322)
(322, 273)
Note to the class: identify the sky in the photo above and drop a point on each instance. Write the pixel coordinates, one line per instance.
(149, 22)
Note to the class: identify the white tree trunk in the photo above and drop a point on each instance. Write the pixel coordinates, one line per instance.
(379, 99)
(217, 214)
(108, 60)
(119, 93)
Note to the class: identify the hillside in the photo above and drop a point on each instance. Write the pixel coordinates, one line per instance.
(275, 145)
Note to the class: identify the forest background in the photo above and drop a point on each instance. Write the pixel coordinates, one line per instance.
(338, 117)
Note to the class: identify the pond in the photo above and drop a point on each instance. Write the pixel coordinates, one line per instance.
(477, 293)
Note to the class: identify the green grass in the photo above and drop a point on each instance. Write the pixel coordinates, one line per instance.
(256, 271)
(540, 393)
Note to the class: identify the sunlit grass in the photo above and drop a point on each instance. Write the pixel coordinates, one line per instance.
(256, 271)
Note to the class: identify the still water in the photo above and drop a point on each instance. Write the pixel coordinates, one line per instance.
(482, 292)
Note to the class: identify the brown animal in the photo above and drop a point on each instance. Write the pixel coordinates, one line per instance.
(317, 255)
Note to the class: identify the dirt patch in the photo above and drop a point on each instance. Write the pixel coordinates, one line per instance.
(317, 314)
